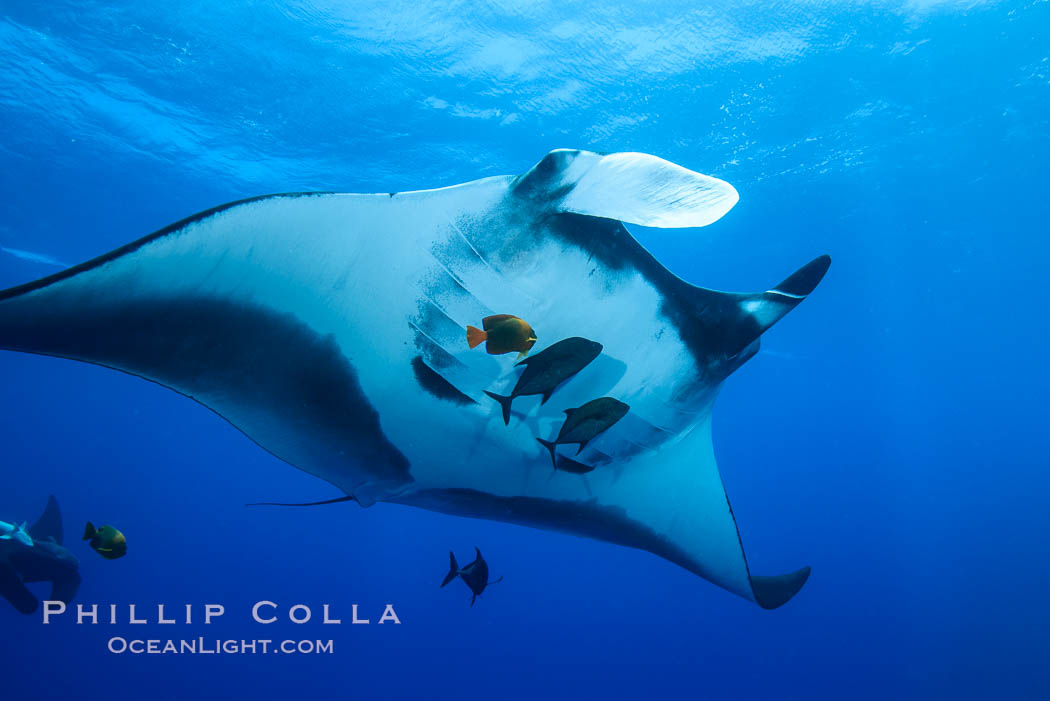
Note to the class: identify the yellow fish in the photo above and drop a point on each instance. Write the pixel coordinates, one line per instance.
(106, 541)
(503, 333)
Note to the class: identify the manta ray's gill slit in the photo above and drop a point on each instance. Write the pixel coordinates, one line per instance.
(680, 409)
(637, 447)
(437, 356)
(653, 445)
(449, 272)
(439, 337)
(455, 227)
(464, 378)
(659, 433)
(427, 299)
(422, 337)
(498, 278)
(439, 327)
(452, 296)
(657, 413)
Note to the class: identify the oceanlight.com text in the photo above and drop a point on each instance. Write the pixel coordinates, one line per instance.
(214, 646)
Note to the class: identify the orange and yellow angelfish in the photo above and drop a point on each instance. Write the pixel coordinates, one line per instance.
(107, 541)
(503, 333)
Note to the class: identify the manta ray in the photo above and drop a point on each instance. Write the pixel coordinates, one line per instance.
(37, 555)
(330, 329)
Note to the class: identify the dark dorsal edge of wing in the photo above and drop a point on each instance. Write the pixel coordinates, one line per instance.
(309, 503)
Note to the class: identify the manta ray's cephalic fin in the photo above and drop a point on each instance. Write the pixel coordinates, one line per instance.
(636, 188)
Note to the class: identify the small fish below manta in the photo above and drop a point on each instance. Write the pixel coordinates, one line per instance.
(548, 369)
(476, 574)
(584, 424)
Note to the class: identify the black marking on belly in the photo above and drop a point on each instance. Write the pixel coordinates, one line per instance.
(456, 251)
(431, 381)
(288, 388)
(450, 369)
(446, 296)
(434, 354)
(702, 318)
(449, 276)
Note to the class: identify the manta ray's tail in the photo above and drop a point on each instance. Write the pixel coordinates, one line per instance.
(453, 569)
(504, 403)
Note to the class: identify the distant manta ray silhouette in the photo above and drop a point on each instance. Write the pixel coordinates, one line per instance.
(330, 329)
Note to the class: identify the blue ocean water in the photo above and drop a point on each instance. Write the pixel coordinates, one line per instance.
(892, 432)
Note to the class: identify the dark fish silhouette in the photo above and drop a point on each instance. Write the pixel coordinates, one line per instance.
(476, 574)
(584, 423)
(548, 369)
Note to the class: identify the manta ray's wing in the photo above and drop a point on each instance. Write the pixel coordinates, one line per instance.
(678, 508)
(214, 307)
(670, 502)
(658, 488)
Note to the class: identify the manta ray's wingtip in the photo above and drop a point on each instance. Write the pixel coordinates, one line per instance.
(774, 592)
(804, 280)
